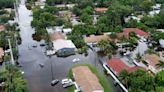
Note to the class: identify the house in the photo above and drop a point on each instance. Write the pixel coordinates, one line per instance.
(2, 28)
(57, 35)
(96, 38)
(139, 32)
(64, 47)
(54, 29)
(1, 54)
(9, 10)
(161, 42)
(152, 60)
(62, 6)
(65, 13)
(100, 10)
(138, 18)
(117, 65)
(86, 80)
(67, 30)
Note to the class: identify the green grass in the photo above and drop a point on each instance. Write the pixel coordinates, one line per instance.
(103, 81)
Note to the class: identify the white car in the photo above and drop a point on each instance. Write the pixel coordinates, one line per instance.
(66, 81)
(75, 60)
(50, 52)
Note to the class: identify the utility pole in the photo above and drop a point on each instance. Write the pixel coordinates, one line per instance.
(11, 52)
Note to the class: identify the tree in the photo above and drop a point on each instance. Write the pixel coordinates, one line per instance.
(118, 28)
(77, 11)
(106, 46)
(6, 4)
(109, 55)
(101, 28)
(103, 3)
(86, 18)
(138, 57)
(50, 9)
(146, 5)
(140, 81)
(160, 64)
(124, 77)
(88, 10)
(159, 1)
(159, 79)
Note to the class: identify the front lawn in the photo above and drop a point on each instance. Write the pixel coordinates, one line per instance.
(103, 81)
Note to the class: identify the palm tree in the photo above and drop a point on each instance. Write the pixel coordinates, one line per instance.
(138, 57)
(160, 64)
(124, 77)
(105, 46)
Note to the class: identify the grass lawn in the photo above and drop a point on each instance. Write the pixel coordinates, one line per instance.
(103, 81)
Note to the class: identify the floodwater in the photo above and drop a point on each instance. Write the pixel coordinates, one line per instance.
(39, 78)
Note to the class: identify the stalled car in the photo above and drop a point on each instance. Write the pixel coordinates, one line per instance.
(66, 81)
(54, 82)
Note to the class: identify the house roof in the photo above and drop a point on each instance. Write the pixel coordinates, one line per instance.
(119, 35)
(152, 59)
(87, 80)
(61, 43)
(135, 30)
(117, 66)
(96, 38)
(1, 54)
(101, 9)
(2, 28)
(161, 42)
(56, 36)
(67, 30)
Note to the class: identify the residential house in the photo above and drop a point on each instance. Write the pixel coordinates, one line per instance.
(93, 39)
(2, 28)
(67, 30)
(152, 61)
(65, 13)
(61, 46)
(100, 10)
(1, 54)
(138, 18)
(126, 31)
(117, 65)
(161, 42)
(63, 6)
(86, 80)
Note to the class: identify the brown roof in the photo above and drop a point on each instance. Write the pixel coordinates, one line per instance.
(2, 28)
(1, 54)
(120, 35)
(56, 36)
(86, 79)
(96, 38)
(152, 59)
(101, 9)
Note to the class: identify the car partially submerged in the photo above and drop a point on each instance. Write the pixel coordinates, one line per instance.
(54, 82)
(76, 60)
(66, 81)
(68, 85)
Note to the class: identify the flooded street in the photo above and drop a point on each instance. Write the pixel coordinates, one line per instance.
(39, 78)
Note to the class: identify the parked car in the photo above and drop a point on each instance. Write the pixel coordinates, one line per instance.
(42, 44)
(75, 60)
(68, 85)
(41, 65)
(34, 45)
(66, 81)
(54, 82)
(50, 52)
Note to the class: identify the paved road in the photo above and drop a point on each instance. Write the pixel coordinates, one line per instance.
(39, 78)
